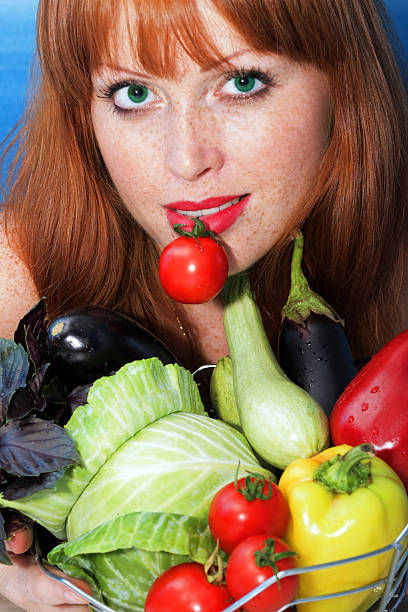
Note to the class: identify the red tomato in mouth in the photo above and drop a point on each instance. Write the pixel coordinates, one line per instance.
(193, 271)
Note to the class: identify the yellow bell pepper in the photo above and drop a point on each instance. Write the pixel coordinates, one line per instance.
(343, 504)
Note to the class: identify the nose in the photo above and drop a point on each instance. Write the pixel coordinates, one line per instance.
(192, 150)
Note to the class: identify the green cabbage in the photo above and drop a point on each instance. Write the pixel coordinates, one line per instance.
(121, 558)
(151, 461)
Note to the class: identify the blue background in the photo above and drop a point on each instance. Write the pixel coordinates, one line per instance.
(17, 33)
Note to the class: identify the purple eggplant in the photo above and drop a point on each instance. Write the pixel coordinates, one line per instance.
(313, 350)
(88, 342)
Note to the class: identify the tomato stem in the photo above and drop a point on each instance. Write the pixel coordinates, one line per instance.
(198, 230)
(268, 557)
(213, 567)
(253, 486)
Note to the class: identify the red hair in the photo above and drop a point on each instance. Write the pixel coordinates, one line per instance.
(82, 246)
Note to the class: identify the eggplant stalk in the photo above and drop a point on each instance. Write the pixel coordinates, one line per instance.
(313, 349)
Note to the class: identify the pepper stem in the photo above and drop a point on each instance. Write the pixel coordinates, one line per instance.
(346, 473)
(301, 299)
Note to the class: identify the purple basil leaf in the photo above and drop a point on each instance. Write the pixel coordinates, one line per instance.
(31, 333)
(14, 366)
(79, 396)
(53, 390)
(57, 414)
(35, 446)
(21, 487)
(4, 558)
(35, 386)
(21, 404)
(57, 409)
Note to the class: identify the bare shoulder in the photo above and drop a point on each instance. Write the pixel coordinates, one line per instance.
(17, 290)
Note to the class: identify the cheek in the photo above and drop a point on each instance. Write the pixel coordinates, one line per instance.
(286, 146)
(130, 154)
(279, 167)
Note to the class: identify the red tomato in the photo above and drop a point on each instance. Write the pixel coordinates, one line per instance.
(232, 518)
(244, 574)
(185, 588)
(193, 273)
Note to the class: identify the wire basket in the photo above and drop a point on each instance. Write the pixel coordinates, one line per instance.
(395, 583)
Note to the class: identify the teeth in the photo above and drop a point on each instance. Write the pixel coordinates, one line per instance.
(209, 211)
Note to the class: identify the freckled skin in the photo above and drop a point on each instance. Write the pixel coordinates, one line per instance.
(194, 142)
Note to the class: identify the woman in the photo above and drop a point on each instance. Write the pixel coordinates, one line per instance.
(285, 114)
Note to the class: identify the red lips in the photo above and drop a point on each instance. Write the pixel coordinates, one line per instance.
(217, 222)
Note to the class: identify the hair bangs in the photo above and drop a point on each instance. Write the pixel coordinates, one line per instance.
(158, 30)
(77, 36)
(153, 33)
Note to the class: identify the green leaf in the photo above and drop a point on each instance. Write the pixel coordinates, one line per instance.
(121, 578)
(153, 531)
(121, 405)
(125, 556)
(175, 464)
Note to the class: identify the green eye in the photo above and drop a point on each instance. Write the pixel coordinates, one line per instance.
(133, 96)
(244, 84)
(137, 93)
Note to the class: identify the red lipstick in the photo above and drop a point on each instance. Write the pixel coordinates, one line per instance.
(229, 209)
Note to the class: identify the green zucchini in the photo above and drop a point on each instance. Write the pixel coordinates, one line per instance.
(280, 420)
(222, 393)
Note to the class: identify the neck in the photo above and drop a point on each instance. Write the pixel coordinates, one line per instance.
(206, 329)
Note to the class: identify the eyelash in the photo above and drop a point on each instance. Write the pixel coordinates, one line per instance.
(268, 80)
(110, 92)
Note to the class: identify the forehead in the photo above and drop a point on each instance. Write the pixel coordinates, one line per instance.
(164, 46)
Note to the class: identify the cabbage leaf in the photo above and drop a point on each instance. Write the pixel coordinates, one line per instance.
(121, 558)
(175, 464)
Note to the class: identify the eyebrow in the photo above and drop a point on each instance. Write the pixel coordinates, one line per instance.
(223, 61)
(119, 68)
(226, 60)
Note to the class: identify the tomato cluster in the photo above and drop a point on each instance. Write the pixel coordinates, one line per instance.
(247, 518)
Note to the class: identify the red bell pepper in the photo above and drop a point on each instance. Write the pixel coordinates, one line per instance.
(374, 407)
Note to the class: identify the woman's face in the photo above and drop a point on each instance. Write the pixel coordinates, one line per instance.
(238, 145)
